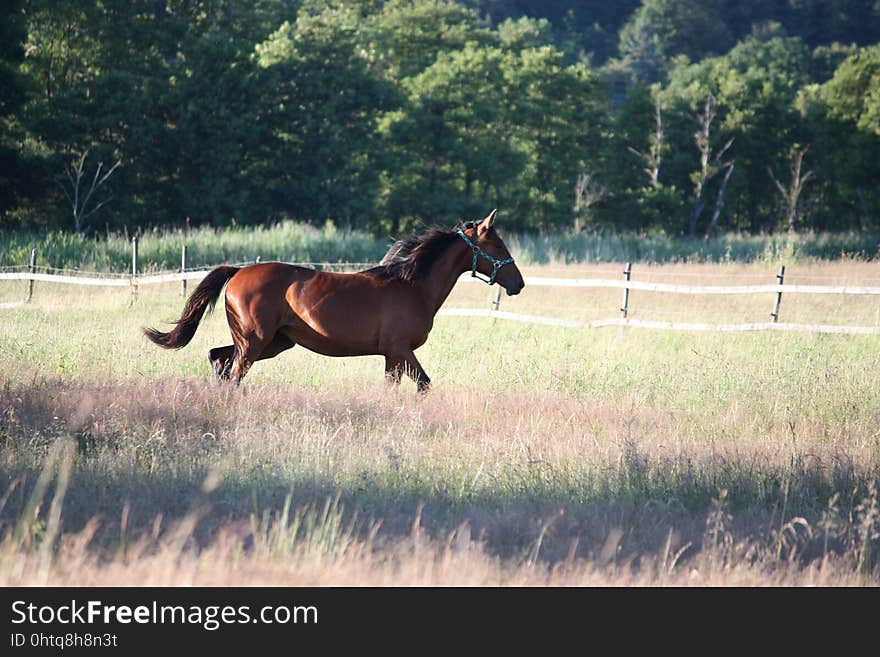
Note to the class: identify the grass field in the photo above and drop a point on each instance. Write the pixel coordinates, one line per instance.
(542, 455)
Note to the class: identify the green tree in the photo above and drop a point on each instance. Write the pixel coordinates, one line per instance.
(163, 86)
(217, 132)
(58, 69)
(13, 33)
(580, 27)
(175, 100)
(524, 33)
(558, 112)
(482, 125)
(755, 86)
(633, 161)
(846, 143)
(450, 141)
(321, 104)
(661, 30)
(405, 37)
(853, 93)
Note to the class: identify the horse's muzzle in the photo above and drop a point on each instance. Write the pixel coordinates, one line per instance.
(514, 290)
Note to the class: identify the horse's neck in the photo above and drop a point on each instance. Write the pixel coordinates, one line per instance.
(444, 273)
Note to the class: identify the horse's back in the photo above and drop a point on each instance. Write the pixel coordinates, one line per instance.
(271, 274)
(307, 285)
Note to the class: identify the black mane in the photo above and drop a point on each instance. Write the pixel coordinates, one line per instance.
(411, 258)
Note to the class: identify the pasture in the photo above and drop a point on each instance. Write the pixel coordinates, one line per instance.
(542, 455)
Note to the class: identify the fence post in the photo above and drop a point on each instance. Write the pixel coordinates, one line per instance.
(183, 269)
(134, 266)
(33, 270)
(627, 273)
(779, 277)
(497, 301)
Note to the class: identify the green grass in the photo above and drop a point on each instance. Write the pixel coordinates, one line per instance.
(542, 455)
(159, 250)
(659, 248)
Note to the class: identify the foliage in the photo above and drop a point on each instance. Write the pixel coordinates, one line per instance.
(853, 94)
(380, 116)
(660, 30)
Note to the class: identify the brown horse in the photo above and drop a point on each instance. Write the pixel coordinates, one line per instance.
(387, 310)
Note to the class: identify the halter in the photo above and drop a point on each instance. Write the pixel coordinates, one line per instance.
(479, 253)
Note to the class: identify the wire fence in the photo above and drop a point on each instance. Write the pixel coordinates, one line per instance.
(33, 273)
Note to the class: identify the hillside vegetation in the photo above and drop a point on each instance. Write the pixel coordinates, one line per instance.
(685, 117)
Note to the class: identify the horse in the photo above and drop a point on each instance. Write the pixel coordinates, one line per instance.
(387, 310)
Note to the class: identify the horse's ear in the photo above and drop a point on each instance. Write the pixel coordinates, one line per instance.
(486, 223)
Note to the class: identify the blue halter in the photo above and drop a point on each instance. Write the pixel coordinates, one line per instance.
(479, 253)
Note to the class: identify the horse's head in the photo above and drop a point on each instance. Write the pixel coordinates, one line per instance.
(491, 257)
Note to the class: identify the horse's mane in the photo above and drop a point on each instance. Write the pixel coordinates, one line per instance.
(411, 258)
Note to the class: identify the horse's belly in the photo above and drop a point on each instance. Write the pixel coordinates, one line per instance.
(358, 323)
(335, 349)
(314, 341)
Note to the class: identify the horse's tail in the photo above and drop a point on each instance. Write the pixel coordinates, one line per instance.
(203, 298)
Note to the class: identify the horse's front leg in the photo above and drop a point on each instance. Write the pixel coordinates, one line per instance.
(406, 362)
(417, 373)
(393, 368)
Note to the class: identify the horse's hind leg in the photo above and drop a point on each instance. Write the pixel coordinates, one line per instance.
(254, 349)
(278, 344)
(221, 361)
(245, 356)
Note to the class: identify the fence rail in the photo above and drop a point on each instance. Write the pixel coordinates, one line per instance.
(134, 280)
(651, 324)
(533, 281)
(126, 281)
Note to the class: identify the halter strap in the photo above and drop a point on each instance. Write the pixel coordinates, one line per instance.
(480, 253)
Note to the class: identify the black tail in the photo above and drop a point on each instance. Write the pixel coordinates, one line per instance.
(203, 298)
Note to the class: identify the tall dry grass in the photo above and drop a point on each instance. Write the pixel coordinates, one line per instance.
(179, 482)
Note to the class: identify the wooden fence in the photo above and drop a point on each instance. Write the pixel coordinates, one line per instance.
(134, 280)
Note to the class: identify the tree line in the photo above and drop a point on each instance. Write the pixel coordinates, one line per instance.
(682, 116)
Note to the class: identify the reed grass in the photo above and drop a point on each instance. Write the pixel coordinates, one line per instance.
(159, 249)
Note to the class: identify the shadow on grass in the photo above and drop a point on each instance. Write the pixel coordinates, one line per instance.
(158, 462)
(548, 522)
